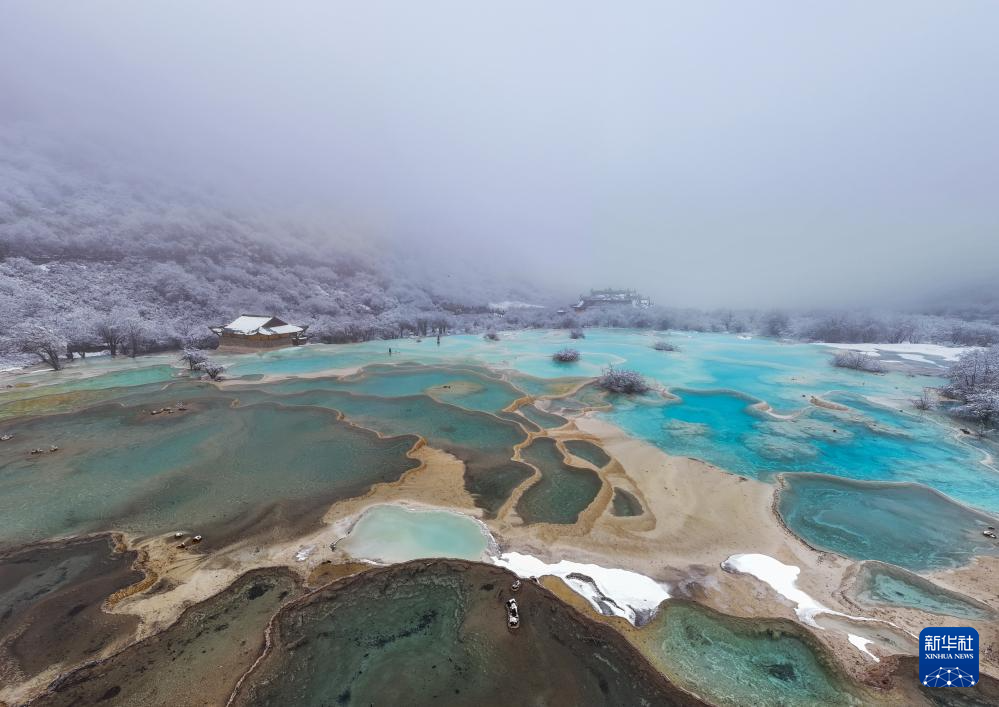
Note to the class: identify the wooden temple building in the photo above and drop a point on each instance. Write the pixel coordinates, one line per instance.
(260, 331)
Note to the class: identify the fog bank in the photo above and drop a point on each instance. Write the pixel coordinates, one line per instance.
(710, 154)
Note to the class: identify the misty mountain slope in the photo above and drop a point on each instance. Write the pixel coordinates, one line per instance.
(76, 245)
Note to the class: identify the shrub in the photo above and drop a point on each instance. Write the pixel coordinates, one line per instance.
(577, 334)
(566, 355)
(617, 380)
(193, 358)
(981, 407)
(664, 346)
(211, 369)
(858, 361)
(491, 336)
(924, 401)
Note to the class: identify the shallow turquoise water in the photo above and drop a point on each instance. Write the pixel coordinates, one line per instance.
(389, 533)
(54, 389)
(545, 420)
(435, 633)
(879, 584)
(470, 389)
(718, 377)
(901, 524)
(740, 662)
(872, 444)
(588, 451)
(562, 492)
(484, 442)
(212, 466)
(625, 505)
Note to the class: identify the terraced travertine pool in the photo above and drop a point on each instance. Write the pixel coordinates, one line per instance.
(733, 662)
(880, 584)
(563, 491)
(452, 395)
(434, 633)
(209, 467)
(268, 453)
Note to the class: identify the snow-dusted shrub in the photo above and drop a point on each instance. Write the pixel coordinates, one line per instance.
(193, 358)
(491, 336)
(212, 369)
(982, 407)
(858, 361)
(924, 401)
(664, 346)
(577, 334)
(566, 355)
(619, 380)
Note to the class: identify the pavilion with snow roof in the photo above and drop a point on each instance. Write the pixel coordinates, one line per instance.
(260, 331)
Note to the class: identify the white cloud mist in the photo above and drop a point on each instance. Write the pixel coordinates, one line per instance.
(708, 153)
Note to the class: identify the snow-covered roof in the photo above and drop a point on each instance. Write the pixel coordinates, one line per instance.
(248, 324)
(283, 329)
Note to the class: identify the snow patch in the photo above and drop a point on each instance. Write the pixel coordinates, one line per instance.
(947, 353)
(918, 358)
(610, 591)
(861, 643)
(783, 580)
(303, 554)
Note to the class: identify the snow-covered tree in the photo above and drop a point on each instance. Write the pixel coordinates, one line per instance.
(110, 332)
(42, 342)
(975, 371)
(661, 345)
(212, 369)
(136, 335)
(775, 323)
(193, 358)
(974, 381)
(566, 355)
(982, 407)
